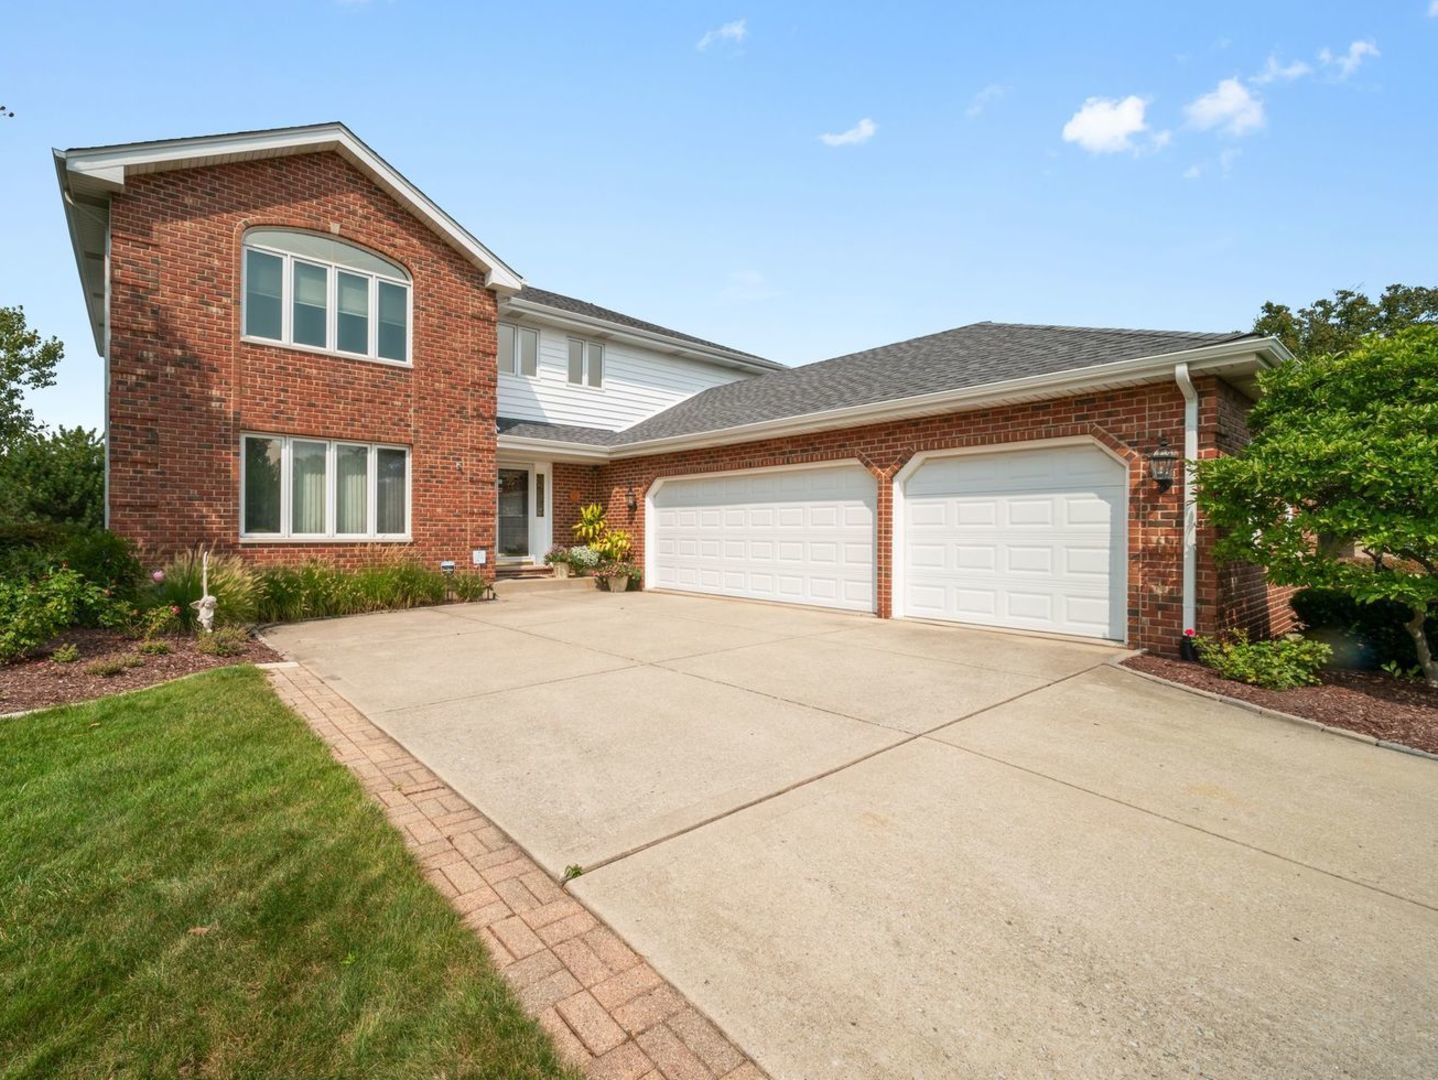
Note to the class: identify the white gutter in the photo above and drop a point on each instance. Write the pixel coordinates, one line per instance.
(553, 449)
(1190, 496)
(643, 337)
(1056, 384)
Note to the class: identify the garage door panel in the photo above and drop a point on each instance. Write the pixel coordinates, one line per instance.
(1033, 539)
(804, 535)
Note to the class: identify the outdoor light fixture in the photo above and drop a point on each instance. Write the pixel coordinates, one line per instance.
(629, 500)
(1161, 461)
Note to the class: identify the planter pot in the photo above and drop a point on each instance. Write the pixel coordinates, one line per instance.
(561, 569)
(613, 584)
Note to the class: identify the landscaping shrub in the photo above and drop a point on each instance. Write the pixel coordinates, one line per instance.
(234, 583)
(226, 641)
(469, 587)
(318, 590)
(33, 612)
(1281, 664)
(108, 669)
(32, 551)
(1363, 635)
(67, 653)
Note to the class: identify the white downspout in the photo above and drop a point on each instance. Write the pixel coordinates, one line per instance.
(1190, 496)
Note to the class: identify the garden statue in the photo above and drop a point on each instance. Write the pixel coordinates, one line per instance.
(206, 604)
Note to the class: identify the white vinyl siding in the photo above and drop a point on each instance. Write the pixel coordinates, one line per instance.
(802, 536)
(1029, 539)
(637, 383)
(316, 489)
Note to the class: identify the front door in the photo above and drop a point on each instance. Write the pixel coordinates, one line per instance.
(514, 514)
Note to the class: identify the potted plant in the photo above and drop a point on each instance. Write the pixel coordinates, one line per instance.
(583, 559)
(558, 558)
(615, 576)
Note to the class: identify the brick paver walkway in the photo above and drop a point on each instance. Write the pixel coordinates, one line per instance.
(608, 1011)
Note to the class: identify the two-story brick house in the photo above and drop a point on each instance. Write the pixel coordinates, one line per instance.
(307, 358)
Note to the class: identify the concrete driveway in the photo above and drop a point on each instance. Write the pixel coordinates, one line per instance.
(879, 849)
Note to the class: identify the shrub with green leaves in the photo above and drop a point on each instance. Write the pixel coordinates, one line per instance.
(318, 590)
(32, 551)
(32, 613)
(1281, 664)
(1338, 487)
(67, 653)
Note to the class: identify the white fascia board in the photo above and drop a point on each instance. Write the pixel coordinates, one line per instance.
(551, 449)
(108, 166)
(586, 323)
(1056, 384)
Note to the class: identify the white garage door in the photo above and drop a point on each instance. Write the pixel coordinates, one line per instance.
(1030, 539)
(805, 536)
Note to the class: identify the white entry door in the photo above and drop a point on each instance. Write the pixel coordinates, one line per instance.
(805, 536)
(1029, 539)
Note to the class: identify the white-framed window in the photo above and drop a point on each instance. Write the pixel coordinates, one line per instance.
(518, 350)
(586, 362)
(314, 292)
(295, 488)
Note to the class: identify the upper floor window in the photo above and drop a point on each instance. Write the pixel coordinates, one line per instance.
(518, 349)
(586, 362)
(317, 292)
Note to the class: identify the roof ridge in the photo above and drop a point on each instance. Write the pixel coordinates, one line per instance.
(1126, 330)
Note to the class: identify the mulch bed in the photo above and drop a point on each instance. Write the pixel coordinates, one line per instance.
(40, 682)
(1370, 702)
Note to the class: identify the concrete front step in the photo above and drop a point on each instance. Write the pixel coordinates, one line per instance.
(516, 586)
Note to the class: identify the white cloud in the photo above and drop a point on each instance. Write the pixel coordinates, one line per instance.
(1107, 125)
(991, 93)
(1433, 9)
(1193, 172)
(731, 33)
(1273, 71)
(1347, 63)
(1230, 107)
(861, 132)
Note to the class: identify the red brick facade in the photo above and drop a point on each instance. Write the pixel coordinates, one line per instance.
(1128, 422)
(183, 386)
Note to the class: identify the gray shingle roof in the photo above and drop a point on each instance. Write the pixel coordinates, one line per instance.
(969, 356)
(593, 311)
(538, 429)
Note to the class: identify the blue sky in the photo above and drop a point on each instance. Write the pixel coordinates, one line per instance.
(1123, 164)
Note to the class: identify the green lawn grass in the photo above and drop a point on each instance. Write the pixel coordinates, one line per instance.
(191, 887)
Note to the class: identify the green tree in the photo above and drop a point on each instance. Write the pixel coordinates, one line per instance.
(26, 362)
(55, 476)
(1343, 459)
(1327, 327)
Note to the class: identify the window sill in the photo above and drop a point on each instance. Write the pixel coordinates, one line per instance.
(252, 540)
(331, 353)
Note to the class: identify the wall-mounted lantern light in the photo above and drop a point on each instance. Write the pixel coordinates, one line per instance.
(1161, 462)
(629, 500)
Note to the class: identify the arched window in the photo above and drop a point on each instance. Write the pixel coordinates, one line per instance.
(318, 292)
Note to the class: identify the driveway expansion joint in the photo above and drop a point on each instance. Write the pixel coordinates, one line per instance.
(607, 1011)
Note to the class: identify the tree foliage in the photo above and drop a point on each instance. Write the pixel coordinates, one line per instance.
(1331, 326)
(27, 362)
(1343, 459)
(54, 477)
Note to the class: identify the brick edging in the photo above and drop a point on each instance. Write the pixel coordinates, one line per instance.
(607, 1010)
(1263, 710)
